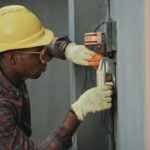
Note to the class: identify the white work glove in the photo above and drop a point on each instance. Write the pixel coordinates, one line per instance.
(93, 100)
(80, 55)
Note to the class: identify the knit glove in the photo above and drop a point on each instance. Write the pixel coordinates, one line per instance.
(80, 55)
(93, 100)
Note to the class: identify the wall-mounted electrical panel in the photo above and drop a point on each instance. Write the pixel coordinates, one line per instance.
(105, 41)
(111, 36)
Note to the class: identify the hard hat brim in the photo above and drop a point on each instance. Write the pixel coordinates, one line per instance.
(45, 39)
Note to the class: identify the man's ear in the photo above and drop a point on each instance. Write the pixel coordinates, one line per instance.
(12, 58)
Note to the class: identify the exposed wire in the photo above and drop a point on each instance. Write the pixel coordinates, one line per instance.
(85, 79)
(99, 26)
(109, 10)
(104, 122)
(109, 17)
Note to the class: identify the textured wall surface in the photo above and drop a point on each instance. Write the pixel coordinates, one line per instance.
(130, 73)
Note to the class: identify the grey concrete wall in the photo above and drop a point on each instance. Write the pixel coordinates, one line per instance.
(49, 95)
(130, 73)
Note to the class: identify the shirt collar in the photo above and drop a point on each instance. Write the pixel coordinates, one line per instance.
(5, 83)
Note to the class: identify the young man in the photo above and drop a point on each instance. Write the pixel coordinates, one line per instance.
(25, 48)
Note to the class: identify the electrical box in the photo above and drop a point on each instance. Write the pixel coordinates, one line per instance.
(110, 31)
(105, 73)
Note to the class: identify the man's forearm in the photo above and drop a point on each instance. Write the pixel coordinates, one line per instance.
(71, 122)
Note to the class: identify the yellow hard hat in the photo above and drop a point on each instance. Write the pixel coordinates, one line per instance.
(20, 28)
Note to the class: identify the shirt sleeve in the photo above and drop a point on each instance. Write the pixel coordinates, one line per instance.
(13, 138)
(57, 47)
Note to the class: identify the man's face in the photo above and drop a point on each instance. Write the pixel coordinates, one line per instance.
(29, 63)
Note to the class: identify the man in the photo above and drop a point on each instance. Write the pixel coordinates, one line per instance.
(25, 48)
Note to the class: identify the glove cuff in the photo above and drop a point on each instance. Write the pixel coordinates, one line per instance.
(69, 50)
(58, 46)
(77, 112)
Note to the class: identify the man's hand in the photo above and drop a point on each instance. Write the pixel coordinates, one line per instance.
(80, 55)
(93, 100)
